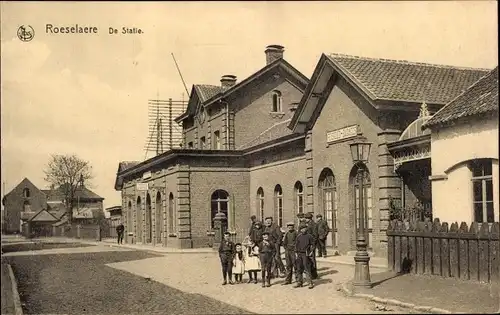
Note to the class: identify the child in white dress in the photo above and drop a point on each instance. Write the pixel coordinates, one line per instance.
(238, 263)
(252, 261)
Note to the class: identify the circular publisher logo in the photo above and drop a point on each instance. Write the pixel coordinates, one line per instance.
(25, 33)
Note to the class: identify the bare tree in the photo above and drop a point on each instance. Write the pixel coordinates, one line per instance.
(66, 173)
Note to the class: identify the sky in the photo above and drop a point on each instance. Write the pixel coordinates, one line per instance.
(86, 94)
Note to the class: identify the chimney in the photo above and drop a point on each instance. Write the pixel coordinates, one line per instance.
(227, 81)
(274, 52)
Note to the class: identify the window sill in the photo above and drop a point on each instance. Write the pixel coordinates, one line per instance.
(277, 114)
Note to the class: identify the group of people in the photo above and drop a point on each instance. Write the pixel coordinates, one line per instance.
(261, 251)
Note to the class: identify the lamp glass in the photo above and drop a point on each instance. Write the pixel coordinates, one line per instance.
(354, 152)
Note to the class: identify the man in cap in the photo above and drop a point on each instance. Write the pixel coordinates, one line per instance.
(304, 248)
(266, 252)
(253, 219)
(226, 255)
(289, 245)
(323, 231)
(276, 236)
(313, 230)
(300, 218)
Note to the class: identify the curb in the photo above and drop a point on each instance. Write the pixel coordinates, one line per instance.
(158, 251)
(427, 309)
(18, 309)
(350, 264)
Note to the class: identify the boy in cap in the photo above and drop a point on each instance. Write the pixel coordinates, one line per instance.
(312, 229)
(226, 255)
(304, 248)
(289, 245)
(266, 251)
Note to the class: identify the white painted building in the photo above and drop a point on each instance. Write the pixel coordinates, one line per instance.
(464, 155)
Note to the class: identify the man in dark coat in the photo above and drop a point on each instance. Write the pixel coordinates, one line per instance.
(304, 247)
(253, 219)
(120, 229)
(323, 231)
(289, 245)
(256, 232)
(313, 230)
(226, 255)
(266, 253)
(276, 236)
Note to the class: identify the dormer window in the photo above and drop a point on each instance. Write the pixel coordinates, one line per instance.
(277, 108)
(26, 193)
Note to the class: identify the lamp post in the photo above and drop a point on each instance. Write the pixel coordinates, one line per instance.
(360, 150)
(219, 220)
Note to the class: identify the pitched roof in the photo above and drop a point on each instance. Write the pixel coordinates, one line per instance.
(81, 192)
(274, 132)
(400, 80)
(43, 216)
(480, 98)
(207, 91)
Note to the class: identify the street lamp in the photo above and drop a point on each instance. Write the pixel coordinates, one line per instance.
(360, 150)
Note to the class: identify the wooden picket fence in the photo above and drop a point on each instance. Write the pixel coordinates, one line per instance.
(434, 249)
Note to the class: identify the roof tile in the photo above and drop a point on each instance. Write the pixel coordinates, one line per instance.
(206, 91)
(407, 81)
(481, 97)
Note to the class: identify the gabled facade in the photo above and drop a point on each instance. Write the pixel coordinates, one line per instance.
(351, 96)
(24, 200)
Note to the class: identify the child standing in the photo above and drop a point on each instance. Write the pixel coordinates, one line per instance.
(252, 261)
(226, 254)
(266, 250)
(238, 263)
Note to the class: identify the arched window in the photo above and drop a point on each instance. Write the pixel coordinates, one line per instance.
(260, 203)
(299, 197)
(171, 215)
(278, 204)
(138, 220)
(149, 220)
(26, 193)
(367, 202)
(328, 196)
(277, 102)
(158, 218)
(219, 203)
(27, 206)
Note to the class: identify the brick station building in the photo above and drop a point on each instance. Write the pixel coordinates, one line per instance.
(277, 144)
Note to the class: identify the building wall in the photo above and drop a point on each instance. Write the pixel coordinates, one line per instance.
(253, 108)
(14, 204)
(451, 149)
(286, 173)
(344, 108)
(203, 182)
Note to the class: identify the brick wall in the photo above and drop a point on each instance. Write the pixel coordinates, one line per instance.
(254, 106)
(204, 181)
(284, 172)
(348, 109)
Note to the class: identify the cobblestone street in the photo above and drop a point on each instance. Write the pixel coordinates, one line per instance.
(79, 282)
(101, 279)
(200, 274)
